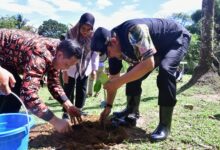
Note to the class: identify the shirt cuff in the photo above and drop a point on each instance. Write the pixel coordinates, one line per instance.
(62, 99)
(48, 115)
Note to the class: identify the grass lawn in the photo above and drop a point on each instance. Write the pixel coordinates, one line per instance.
(196, 119)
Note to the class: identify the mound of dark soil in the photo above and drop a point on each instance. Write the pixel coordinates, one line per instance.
(88, 135)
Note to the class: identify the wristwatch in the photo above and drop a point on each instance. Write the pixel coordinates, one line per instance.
(108, 105)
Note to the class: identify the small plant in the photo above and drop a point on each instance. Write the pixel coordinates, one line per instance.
(98, 85)
(101, 81)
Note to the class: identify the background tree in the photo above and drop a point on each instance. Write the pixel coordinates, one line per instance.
(52, 28)
(195, 27)
(16, 22)
(206, 48)
(8, 22)
(29, 28)
(21, 21)
(192, 56)
(217, 30)
(190, 22)
(183, 18)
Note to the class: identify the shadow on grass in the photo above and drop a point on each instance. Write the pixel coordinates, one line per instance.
(55, 104)
(57, 110)
(55, 107)
(137, 135)
(217, 117)
(91, 107)
(98, 106)
(149, 99)
(121, 104)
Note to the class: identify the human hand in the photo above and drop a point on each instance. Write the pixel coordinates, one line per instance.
(76, 120)
(74, 112)
(105, 113)
(6, 80)
(75, 115)
(60, 125)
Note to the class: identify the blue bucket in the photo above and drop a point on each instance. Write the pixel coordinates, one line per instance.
(14, 131)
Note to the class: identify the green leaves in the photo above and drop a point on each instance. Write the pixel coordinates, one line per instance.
(52, 28)
(102, 80)
(97, 86)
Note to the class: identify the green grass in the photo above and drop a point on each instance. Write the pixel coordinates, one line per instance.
(198, 128)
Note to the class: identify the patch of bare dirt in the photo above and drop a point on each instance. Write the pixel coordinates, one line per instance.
(212, 79)
(87, 136)
(208, 97)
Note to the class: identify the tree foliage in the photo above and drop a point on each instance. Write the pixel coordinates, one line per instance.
(196, 16)
(192, 57)
(182, 18)
(195, 27)
(20, 21)
(16, 22)
(52, 28)
(8, 22)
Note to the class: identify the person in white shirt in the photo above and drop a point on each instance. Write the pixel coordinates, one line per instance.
(98, 73)
(76, 76)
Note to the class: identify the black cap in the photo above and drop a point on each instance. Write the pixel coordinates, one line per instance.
(62, 36)
(100, 40)
(87, 18)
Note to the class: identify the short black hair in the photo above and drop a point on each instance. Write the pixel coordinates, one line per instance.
(62, 37)
(100, 40)
(70, 48)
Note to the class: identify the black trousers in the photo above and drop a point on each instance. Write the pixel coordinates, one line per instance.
(9, 104)
(80, 85)
(166, 80)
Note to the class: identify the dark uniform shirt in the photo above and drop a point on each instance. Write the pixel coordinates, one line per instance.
(31, 56)
(142, 38)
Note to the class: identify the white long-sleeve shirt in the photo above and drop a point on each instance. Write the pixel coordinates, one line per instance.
(93, 63)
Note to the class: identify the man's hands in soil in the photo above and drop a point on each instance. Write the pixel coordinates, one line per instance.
(105, 113)
(74, 112)
(60, 125)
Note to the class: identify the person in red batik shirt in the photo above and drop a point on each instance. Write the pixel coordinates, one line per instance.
(28, 57)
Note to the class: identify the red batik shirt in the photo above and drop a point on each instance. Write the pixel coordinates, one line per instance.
(31, 56)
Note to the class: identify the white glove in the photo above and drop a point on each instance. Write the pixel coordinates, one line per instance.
(60, 125)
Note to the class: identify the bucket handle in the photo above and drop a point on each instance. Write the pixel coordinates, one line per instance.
(26, 111)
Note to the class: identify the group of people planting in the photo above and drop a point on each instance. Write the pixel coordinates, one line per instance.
(144, 43)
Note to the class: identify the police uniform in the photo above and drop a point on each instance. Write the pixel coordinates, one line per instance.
(171, 42)
(167, 41)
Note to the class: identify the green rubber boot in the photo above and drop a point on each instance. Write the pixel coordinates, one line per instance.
(163, 129)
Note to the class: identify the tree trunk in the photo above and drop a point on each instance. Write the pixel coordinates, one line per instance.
(206, 49)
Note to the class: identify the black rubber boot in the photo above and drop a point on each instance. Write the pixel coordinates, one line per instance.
(125, 111)
(133, 103)
(129, 116)
(136, 104)
(163, 129)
